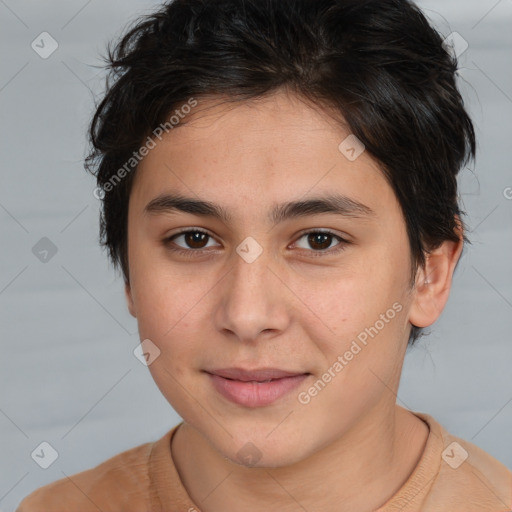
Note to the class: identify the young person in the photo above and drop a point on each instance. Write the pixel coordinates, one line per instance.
(279, 190)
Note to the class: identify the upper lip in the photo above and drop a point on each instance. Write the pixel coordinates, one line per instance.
(261, 374)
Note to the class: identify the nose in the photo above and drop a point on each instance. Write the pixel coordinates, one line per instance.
(253, 301)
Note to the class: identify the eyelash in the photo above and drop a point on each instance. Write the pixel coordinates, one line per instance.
(190, 253)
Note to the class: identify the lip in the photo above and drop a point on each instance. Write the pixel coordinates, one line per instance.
(249, 387)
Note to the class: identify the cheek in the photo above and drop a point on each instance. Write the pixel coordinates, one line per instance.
(361, 317)
(166, 307)
(348, 302)
(174, 311)
(362, 363)
(168, 310)
(162, 293)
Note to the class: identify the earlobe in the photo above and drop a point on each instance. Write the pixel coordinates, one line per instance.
(129, 299)
(433, 283)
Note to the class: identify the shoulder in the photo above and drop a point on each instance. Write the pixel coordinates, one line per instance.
(121, 483)
(468, 474)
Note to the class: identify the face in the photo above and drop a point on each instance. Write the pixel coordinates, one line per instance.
(320, 289)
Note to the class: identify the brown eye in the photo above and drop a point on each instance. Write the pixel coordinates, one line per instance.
(319, 241)
(193, 239)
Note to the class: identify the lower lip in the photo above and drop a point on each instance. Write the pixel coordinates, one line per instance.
(253, 394)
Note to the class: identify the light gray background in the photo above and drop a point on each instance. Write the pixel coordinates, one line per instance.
(68, 374)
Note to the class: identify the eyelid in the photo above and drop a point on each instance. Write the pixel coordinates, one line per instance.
(189, 230)
(340, 246)
(328, 231)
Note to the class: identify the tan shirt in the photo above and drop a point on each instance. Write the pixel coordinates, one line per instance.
(145, 479)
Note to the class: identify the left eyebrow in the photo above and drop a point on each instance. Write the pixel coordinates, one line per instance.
(334, 203)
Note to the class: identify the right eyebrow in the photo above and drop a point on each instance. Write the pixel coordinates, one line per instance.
(170, 203)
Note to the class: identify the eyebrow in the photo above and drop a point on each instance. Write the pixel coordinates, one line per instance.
(333, 203)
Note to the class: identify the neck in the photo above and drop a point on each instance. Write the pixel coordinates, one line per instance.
(359, 471)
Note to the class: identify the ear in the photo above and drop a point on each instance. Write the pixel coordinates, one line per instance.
(433, 283)
(129, 299)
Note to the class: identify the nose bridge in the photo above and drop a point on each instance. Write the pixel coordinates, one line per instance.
(252, 300)
(249, 276)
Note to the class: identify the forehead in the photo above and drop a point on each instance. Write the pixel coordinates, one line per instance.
(251, 154)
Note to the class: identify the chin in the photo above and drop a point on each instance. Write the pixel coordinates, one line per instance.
(258, 459)
(258, 451)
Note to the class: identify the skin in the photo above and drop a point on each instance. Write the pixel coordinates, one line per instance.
(351, 447)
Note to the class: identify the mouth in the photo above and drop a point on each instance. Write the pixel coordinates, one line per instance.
(255, 388)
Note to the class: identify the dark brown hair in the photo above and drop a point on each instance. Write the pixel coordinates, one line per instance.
(378, 63)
